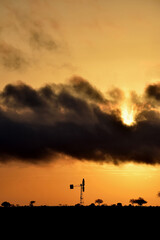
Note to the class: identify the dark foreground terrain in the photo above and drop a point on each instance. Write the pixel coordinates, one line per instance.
(73, 221)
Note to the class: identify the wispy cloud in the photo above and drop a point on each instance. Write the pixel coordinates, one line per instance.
(29, 35)
(40, 40)
(12, 58)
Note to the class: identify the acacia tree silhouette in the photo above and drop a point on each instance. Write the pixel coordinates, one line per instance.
(140, 201)
(31, 203)
(99, 201)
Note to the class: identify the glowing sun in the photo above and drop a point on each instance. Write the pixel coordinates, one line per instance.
(128, 115)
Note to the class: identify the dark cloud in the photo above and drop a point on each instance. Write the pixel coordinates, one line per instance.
(21, 95)
(153, 91)
(81, 86)
(12, 58)
(148, 115)
(38, 124)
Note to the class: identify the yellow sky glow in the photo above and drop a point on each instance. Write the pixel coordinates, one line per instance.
(109, 43)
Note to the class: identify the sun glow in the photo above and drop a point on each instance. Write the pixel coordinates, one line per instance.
(128, 114)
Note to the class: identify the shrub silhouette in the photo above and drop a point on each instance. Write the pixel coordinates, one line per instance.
(31, 203)
(92, 205)
(6, 204)
(119, 204)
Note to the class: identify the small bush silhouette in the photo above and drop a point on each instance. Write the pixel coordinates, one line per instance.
(31, 203)
(92, 205)
(6, 204)
(119, 204)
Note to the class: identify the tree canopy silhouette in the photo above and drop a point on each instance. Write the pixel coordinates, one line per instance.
(99, 201)
(6, 204)
(140, 201)
(31, 203)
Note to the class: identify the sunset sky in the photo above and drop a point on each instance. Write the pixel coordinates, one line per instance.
(79, 98)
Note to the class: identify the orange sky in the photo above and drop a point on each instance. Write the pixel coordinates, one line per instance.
(109, 43)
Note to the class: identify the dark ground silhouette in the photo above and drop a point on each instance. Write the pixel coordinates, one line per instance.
(80, 208)
(117, 218)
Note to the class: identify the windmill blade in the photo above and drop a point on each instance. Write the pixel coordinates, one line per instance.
(83, 185)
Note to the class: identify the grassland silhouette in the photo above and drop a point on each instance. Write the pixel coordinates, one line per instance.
(133, 203)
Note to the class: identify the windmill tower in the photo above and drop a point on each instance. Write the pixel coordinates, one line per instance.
(82, 189)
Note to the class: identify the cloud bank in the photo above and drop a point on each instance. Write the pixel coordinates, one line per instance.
(77, 120)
